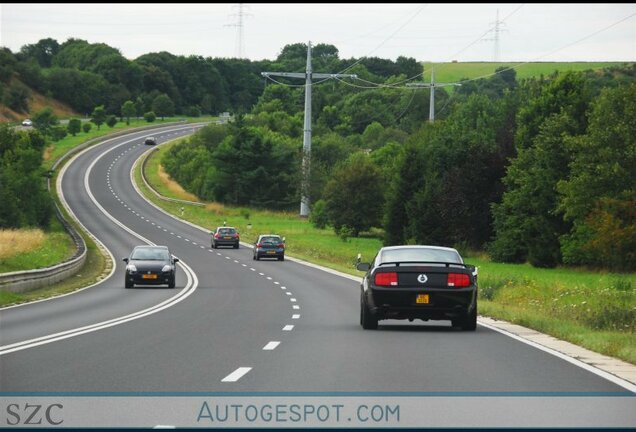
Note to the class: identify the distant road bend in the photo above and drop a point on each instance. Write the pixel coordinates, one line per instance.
(238, 325)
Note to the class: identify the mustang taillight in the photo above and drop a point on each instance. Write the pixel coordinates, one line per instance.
(258, 245)
(386, 279)
(281, 246)
(458, 280)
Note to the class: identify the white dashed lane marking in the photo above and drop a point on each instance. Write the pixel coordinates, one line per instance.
(296, 307)
(236, 375)
(295, 316)
(288, 327)
(271, 346)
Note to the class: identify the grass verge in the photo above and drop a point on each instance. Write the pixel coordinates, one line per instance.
(596, 310)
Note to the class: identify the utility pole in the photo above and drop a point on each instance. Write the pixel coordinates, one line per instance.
(306, 165)
(432, 85)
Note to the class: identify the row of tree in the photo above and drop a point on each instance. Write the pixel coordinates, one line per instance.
(86, 75)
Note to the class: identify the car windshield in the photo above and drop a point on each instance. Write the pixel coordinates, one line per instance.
(420, 255)
(271, 239)
(227, 231)
(150, 254)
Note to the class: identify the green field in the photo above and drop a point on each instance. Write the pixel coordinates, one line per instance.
(596, 310)
(455, 72)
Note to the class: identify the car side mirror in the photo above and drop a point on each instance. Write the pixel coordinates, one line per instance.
(283, 239)
(125, 260)
(176, 260)
(363, 267)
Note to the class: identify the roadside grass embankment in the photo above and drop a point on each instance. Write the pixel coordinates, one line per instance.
(593, 309)
(25, 249)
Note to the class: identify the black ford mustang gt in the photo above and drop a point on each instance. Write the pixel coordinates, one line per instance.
(418, 282)
(151, 265)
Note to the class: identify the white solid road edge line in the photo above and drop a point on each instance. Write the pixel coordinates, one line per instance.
(237, 374)
(586, 366)
(608, 376)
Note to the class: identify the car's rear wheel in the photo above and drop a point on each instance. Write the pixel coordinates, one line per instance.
(468, 322)
(172, 282)
(281, 258)
(213, 245)
(236, 245)
(367, 320)
(128, 284)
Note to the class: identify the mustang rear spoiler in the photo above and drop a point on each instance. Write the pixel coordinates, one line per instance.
(470, 267)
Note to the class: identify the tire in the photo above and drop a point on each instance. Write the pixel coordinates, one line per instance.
(468, 322)
(128, 284)
(281, 258)
(256, 257)
(367, 320)
(236, 245)
(212, 245)
(172, 282)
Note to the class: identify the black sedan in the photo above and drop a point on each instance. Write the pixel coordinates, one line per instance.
(151, 265)
(150, 140)
(418, 282)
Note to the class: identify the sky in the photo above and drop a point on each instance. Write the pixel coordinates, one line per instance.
(426, 32)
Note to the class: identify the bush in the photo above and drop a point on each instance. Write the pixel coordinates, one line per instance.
(150, 116)
(74, 126)
(111, 121)
(58, 132)
(318, 216)
(86, 127)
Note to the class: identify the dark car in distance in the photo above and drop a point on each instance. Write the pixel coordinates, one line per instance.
(269, 246)
(150, 265)
(150, 140)
(418, 282)
(225, 236)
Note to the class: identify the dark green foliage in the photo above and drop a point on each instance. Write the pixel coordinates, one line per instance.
(25, 201)
(42, 52)
(98, 116)
(150, 116)
(353, 197)
(318, 216)
(526, 222)
(74, 126)
(111, 121)
(7, 65)
(128, 110)
(599, 195)
(16, 96)
(80, 89)
(44, 120)
(86, 127)
(58, 132)
(193, 111)
(163, 106)
(238, 164)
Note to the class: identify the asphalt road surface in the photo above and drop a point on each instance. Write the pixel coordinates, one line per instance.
(238, 325)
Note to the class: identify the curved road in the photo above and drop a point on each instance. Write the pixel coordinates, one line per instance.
(238, 325)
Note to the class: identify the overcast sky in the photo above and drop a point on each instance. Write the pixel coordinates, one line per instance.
(427, 32)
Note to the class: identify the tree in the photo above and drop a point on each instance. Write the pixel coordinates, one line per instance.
(86, 127)
(601, 186)
(163, 106)
(44, 120)
(128, 110)
(74, 126)
(99, 116)
(111, 120)
(353, 196)
(150, 116)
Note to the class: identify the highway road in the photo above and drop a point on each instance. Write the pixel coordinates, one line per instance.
(238, 325)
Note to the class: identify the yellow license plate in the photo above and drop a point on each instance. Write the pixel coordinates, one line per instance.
(149, 276)
(271, 252)
(422, 299)
(227, 238)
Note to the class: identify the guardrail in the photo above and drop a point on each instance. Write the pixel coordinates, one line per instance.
(27, 280)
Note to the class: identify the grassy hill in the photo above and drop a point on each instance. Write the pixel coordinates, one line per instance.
(454, 72)
(37, 101)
